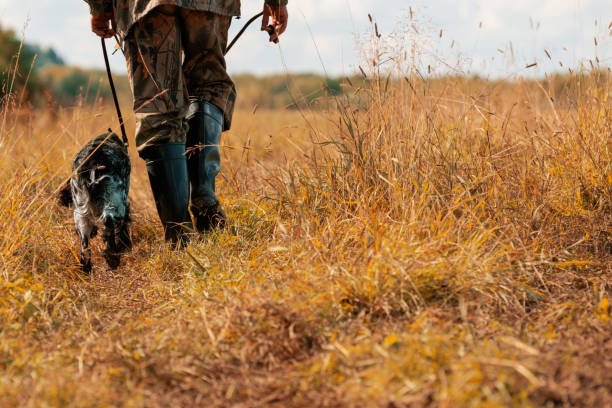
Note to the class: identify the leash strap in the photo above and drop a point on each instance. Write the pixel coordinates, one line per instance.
(269, 29)
(237, 37)
(114, 92)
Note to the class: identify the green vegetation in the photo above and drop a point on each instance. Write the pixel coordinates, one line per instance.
(71, 86)
(20, 63)
(285, 91)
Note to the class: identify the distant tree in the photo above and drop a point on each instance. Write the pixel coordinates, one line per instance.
(46, 56)
(18, 67)
(15, 62)
(332, 87)
(71, 84)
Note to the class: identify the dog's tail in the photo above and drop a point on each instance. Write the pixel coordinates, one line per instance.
(64, 196)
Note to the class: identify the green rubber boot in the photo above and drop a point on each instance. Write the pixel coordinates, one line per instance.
(168, 176)
(204, 163)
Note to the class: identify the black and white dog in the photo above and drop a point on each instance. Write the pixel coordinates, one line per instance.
(99, 190)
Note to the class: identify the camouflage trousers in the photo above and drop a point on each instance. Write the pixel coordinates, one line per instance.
(174, 54)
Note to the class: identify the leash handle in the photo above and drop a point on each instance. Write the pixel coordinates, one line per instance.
(271, 31)
(114, 92)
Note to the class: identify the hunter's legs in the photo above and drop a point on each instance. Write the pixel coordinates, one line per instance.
(211, 102)
(204, 38)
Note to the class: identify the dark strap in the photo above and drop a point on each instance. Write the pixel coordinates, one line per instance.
(269, 29)
(112, 87)
(248, 23)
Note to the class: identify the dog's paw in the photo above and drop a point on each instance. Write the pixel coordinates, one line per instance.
(86, 266)
(124, 241)
(112, 259)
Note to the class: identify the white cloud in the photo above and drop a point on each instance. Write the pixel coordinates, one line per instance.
(333, 9)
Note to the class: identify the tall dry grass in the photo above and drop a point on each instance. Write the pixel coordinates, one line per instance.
(424, 243)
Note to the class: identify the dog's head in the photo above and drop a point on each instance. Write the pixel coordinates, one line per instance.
(111, 190)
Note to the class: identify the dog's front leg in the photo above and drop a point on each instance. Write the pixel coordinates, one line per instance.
(123, 235)
(84, 228)
(111, 253)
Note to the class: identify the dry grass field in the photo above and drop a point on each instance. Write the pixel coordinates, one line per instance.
(441, 243)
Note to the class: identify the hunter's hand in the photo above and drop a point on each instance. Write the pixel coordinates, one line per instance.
(279, 20)
(104, 25)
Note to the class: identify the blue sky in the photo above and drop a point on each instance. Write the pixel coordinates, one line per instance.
(489, 37)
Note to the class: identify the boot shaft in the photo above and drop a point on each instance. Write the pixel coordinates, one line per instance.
(204, 163)
(204, 156)
(168, 176)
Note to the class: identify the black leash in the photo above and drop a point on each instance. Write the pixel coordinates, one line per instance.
(269, 29)
(114, 92)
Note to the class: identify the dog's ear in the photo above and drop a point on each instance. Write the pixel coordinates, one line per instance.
(64, 196)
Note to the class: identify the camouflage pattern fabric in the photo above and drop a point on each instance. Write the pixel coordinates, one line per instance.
(161, 84)
(128, 12)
